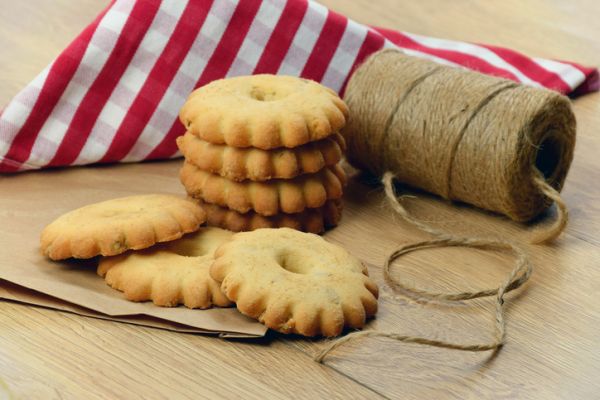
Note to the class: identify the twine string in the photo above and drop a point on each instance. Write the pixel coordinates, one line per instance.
(515, 279)
(548, 234)
(464, 136)
(502, 86)
(388, 123)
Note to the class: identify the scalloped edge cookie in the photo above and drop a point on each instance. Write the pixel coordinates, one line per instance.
(240, 164)
(314, 220)
(295, 282)
(170, 274)
(114, 226)
(263, 111)
(266, 198)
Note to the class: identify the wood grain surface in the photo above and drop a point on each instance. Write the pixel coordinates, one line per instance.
(553, 343)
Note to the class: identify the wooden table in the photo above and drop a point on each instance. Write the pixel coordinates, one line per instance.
(553, 343)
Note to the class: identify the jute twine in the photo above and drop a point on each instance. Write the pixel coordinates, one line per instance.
(465, 136)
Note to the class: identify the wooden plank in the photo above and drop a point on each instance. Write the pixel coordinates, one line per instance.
(48, 354)
(542, 28)
(32, 33)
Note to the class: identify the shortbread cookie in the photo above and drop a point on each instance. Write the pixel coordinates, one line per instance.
(239, 164)
(114, 226)
(266, 198)
(170, 274)
(295, 282)
(314, 220)
(264, 111)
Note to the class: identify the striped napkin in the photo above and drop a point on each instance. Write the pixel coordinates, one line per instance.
(114, 93)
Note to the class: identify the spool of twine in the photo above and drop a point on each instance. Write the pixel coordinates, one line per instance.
(482, 140)
(465, 136)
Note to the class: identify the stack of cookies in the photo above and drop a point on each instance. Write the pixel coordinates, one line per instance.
(263, 151)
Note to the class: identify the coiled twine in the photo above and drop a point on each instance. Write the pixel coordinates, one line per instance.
(460, 134)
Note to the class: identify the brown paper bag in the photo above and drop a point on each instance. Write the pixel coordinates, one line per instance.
(16, 293)
(30, 201)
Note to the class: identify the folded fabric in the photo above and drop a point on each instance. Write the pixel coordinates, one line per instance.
(114, 93)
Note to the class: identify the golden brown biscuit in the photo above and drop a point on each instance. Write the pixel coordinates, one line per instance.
(171, 273)
(114, 226)
(314, 220)
(239, 164)
(266, 198)
(295, 282)
(263, 111)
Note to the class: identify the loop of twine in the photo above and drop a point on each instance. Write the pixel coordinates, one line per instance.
(515, 279)
(465, 136)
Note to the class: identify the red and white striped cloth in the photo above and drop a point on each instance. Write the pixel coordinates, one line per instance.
(114, 93)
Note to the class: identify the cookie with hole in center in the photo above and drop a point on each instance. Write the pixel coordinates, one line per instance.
(295, 282)
(114, 226)
(171, 273)
(266, 198)
(240, 164)
(263, 111)
(314, 220)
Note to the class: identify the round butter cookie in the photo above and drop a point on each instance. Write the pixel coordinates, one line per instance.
(115, 226)
(170, 274)
(314, 220)
(295, 282)
(266, 198)
(263, 111)
(240, 164)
